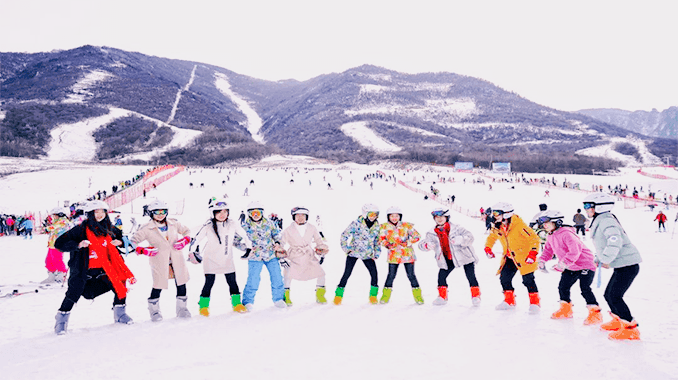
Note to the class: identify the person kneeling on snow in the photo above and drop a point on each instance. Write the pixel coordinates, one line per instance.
(95, 263)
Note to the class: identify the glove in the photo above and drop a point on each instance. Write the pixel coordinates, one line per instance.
(284, 263)
(130, 281)
(425, 247)
(181, 243)
(489, 253)
(531, 257)
(321, 251)
(322, 259)
(542, 267)
(194, 258)
(148, 251)
(560, 267)
(247, 253)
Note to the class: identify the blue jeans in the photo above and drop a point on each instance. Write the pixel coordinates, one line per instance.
(254, 277)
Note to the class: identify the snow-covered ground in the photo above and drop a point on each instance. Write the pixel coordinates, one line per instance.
(400, 340)
(363, 135)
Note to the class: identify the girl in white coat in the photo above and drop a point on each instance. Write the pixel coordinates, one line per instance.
(165, 256)
(216, 255)
(453, 247)
(299, 255)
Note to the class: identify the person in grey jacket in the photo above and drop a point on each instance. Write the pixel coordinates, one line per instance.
(453, 247)
(614, 250)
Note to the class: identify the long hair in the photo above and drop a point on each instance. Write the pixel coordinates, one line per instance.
(103, 228)
(214, 223)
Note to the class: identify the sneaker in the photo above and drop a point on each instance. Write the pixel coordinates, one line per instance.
(249, 307)
(475, 301)
(504, 306)
(280, 304)
(534, 309)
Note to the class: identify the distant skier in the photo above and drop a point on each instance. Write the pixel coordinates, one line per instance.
(661, 218)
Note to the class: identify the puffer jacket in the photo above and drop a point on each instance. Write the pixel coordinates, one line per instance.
(516, 242)
(56, 229)
(359, 241)
(462, 252)
(399, 239)
(570, 251)
(217, 251)
(263, 236)
(613, 246)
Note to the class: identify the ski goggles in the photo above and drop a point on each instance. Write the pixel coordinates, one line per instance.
(543, 219)
(589, 205)
(256, 214)
(439, 212)
(497, 213)
(372, 214)
(159, 212)
(220, 204)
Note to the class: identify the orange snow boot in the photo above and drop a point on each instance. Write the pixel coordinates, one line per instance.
(564, 312)
(594, 317)
(509, 301)
(628, 331)
(614, 325)
(475, 295)
(535, 307)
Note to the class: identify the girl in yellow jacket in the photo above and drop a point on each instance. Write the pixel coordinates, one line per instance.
(519, 253)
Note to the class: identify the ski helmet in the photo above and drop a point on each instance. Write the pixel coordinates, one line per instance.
(299, 210)
(504, 209)
(60, 211)
(369, 207)
(157, 205)
(554, 216)
(440, 211)
(394, 210)
(217, 204)
(95, 205)
(601, 201)
(255, 205)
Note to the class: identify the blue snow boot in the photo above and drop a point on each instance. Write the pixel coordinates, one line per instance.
(61, 322)
(119, 315)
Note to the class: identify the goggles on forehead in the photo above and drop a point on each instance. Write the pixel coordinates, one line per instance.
(256, 213)
(220, 204)
(543, 219)
(372, 214)
(439, 212)
(497, 213)
(159, 212)
(588, 205)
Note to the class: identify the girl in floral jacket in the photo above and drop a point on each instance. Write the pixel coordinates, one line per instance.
(453, 247)
(54, 262)
(265, 237)
(360, 240)
(398, 237)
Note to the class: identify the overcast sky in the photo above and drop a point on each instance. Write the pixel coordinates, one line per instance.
(568, 55)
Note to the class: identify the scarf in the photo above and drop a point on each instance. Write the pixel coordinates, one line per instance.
(108, 258)
(443, 233)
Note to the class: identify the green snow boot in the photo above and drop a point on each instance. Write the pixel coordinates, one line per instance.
(385, 296)
(416, 292)
(338, 296)
(320, 295)
(374, 290)
(288, 301)
(204, 305)
(237, 305)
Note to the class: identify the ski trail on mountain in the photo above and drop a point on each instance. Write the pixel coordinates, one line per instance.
(254, 122)
(178, 98)
(75, 142)
(366, 137)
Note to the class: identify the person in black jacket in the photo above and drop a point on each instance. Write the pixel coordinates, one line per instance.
(95, 264)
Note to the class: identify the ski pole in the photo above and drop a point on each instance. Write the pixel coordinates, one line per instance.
(600, 280)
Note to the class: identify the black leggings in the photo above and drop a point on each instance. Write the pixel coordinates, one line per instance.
(585, 277)
(350, 263)
(469, 269)
(209, 282)
(506, 277)
(393, 270)
(96, 284)
(620, 282)
(181, 292)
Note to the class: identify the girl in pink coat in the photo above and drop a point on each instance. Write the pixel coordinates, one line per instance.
(575, 262)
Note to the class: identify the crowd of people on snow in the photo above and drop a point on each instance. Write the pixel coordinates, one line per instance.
(296, 253)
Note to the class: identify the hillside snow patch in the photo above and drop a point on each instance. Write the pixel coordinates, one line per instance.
(364, 136)
(80, 88)
(254, 122)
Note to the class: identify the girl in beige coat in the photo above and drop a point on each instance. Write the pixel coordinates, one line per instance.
(165, 256)
(222, 234)
(298, 258)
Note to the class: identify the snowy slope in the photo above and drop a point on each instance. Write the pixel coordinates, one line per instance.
(400, 340)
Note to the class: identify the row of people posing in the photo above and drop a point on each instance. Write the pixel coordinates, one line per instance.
(300, 249)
